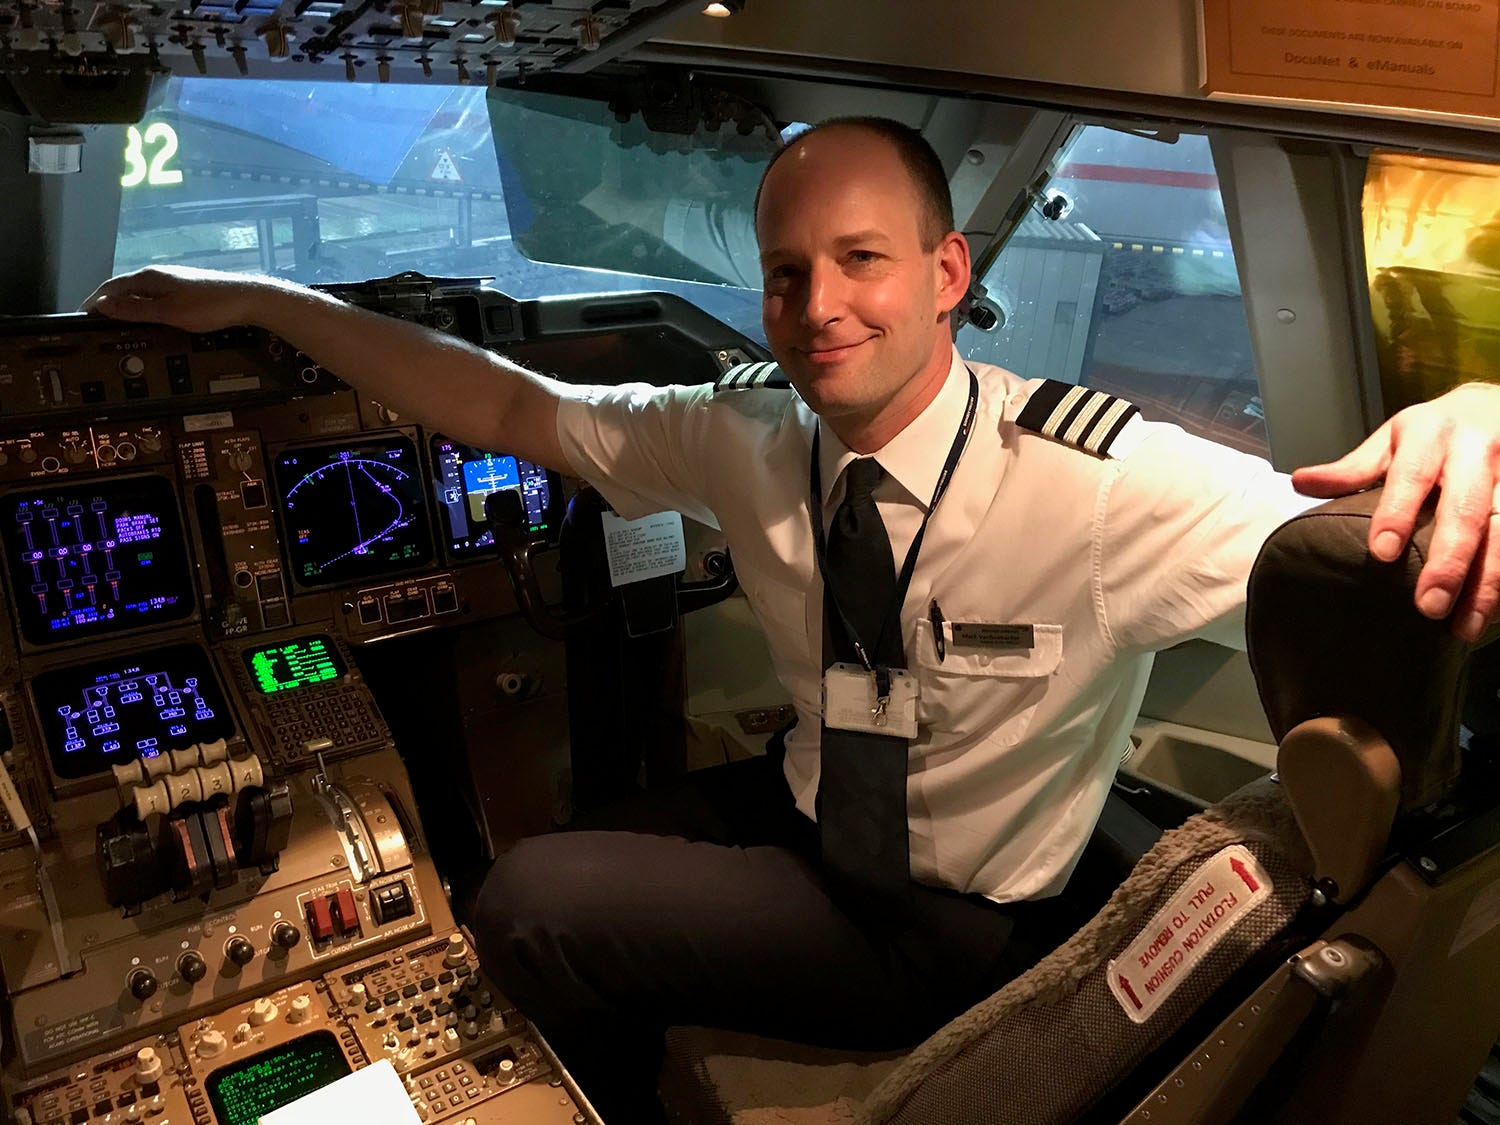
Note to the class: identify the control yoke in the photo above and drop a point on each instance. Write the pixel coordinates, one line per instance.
(507, 519)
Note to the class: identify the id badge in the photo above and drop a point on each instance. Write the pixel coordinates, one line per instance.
(849, 702)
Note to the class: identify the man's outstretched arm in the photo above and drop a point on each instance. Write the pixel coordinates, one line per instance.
(467, 393)
(1451, 443)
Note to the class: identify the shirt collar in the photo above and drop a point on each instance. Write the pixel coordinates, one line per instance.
(915, 456)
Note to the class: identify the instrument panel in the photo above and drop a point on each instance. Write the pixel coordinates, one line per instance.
(215, 887)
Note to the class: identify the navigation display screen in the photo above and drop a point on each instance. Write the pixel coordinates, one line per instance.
(105, 712)
(288, 665)
(466, 476)
(243, 1091)
(90, 559)
(353, 510)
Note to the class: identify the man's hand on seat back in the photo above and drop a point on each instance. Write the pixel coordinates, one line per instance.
(1451, 443)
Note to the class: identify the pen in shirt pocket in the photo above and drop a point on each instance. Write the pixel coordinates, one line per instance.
(935, 615)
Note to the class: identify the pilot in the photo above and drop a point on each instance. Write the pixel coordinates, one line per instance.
(988, 567)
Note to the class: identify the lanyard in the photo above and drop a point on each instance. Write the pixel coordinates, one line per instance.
(820, 544)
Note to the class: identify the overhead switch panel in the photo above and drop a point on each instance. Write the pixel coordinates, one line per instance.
(452, 42)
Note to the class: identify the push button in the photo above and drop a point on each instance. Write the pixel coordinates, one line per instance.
(444, 598)
(179, 375)
(390, 902)
(253, 493)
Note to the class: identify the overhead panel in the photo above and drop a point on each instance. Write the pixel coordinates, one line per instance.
(447, 41)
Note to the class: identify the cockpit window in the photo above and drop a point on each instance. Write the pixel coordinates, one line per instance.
(336, 182)
(1432, 250)
(1121, 276)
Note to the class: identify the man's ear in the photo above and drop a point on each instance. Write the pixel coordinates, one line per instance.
(952, 264)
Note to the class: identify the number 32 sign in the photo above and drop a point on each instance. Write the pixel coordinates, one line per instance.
(145, 166)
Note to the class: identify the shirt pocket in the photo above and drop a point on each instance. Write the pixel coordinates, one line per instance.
(984, 691)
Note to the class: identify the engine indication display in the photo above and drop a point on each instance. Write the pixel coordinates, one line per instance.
(97, 558)
(287, 665)
(466, 476)
(353, 512)
(108, 711)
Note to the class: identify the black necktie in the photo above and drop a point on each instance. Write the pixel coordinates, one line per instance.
(862, 791)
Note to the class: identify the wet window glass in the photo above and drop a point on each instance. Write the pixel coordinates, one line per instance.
(335, 182)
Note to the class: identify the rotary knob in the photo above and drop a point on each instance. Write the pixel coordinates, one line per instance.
(239, 950)
(263, 1011)
(141, 982)
(301, 1008)
(191, 966)
(284, 935)
(458, 951)
(132, 366)
(148, 1066)
(212, 1043)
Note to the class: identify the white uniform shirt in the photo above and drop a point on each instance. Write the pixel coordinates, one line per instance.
(1108, 559)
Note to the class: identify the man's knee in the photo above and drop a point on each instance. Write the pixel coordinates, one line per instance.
(514, 911)
(540, 900)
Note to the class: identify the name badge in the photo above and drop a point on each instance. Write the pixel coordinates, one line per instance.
(978, 635)
(850, 702)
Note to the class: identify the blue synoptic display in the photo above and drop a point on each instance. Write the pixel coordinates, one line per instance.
(111, 710)
(86, 560)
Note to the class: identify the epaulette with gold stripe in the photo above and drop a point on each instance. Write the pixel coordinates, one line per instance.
(1087, 419)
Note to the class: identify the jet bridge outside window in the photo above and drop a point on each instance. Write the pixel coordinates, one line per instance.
(1121, 276)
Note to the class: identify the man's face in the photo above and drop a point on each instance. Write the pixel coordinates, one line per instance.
(854, 305)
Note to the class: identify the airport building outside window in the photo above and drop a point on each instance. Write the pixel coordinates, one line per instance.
(1121, 277)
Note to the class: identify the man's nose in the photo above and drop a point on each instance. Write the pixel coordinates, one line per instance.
(825, 295)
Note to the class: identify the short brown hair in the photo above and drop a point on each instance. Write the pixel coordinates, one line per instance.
(921, 162)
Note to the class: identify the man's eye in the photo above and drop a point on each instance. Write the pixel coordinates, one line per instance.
(862, 256)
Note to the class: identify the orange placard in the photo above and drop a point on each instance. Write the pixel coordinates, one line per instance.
(1435, 55)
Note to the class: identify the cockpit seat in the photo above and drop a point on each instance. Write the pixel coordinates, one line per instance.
(1297, 952)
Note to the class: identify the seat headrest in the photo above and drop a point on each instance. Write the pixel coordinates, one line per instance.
(1332, 631)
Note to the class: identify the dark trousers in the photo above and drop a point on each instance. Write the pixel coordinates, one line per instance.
(706, 905)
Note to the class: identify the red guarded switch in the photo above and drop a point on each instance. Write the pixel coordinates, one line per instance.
(320, 918)
(345, 913)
